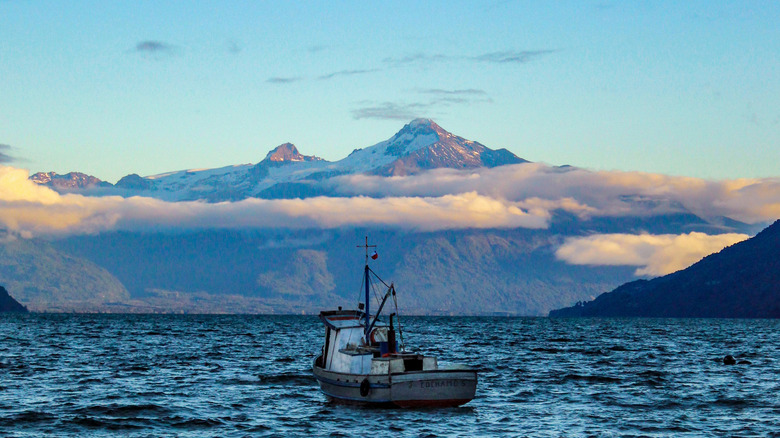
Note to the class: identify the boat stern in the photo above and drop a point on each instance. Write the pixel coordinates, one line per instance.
(438, 388)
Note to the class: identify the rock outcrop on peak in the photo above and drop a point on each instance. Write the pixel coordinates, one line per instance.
(68, 181)
(287, 152)
(134, 182)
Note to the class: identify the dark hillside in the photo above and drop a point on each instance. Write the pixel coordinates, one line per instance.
(9, 304)
(741, 281)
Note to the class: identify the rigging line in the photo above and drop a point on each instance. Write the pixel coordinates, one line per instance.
(376, 294)
(398, 318)
(377, 277)
(378, 300)
(360, 290)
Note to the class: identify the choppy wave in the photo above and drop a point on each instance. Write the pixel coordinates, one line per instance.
(145, 375)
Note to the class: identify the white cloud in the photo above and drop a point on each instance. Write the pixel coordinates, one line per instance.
(467, 210)
(523, 195)
(595, 193)
(653, 254)
(15, 186)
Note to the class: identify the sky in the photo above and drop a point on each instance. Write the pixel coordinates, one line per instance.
(112, 88)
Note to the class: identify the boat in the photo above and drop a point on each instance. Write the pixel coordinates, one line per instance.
(362, 362)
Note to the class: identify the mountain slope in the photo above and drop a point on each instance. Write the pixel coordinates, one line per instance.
(45, 279)
(453, 272)
(741, 281)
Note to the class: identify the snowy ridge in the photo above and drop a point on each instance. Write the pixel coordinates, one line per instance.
(224, 183)
(416, 135)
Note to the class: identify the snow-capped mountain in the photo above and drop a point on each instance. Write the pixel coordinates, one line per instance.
(423, 145)
(285, 173)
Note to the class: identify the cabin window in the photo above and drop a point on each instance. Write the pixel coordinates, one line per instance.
(413, 364)
(327, 345)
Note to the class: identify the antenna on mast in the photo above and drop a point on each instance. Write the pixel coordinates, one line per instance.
(366, 246)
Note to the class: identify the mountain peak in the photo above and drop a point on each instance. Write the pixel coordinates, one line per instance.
(287, 152)
(417, 134)
(422, 122)
(418, 127)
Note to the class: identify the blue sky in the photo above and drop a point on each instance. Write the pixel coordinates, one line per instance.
(111, 88)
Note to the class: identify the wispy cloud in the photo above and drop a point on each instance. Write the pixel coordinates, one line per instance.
(445, 101)
(512, 56)
(347, 73)
(233, 47)
(389, 111)
(653, 254)
(316, 48)
(335, 74)
(418, 58)
(502, 57)
(283, 80)
(4, 156)
(437, 98)
(443, 92)
(155, 49)
(499, 57)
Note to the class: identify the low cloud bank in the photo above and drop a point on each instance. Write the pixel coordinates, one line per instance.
(514, 196)
(29, 209)
(653, 254)
(595, 193)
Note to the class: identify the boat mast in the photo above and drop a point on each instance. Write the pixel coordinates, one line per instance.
(368, 313)
(366, 279)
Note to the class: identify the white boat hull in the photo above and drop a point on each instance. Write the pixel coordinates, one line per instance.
(430, 388)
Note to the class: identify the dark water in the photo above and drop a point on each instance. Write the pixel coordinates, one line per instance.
(131, 375)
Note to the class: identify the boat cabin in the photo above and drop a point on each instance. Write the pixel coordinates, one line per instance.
(346, 349)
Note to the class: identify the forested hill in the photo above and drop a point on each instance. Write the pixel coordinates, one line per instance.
(741, 281)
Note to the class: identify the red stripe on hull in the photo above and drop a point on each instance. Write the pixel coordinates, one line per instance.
(431, 403)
